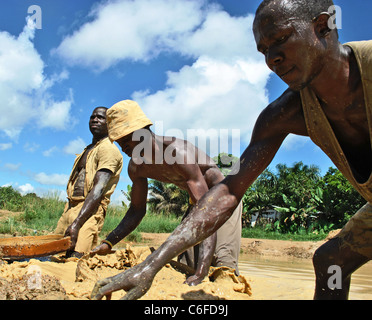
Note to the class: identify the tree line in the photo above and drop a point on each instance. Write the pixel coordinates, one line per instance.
(305, 200)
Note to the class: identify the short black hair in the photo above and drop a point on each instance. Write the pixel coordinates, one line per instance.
(100, 107)
(303, 9)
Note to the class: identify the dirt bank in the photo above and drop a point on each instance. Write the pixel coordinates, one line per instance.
(261, 247)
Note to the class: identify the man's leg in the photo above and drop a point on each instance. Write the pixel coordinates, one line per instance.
(89, 232)
(228, 241)
(348, 251)
(333, 254)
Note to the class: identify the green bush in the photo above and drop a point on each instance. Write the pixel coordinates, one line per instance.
(10, 199)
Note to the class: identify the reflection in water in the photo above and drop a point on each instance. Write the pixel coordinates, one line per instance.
(274, 278)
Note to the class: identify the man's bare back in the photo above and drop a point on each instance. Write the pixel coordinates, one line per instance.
(169, 160)
(181, 170)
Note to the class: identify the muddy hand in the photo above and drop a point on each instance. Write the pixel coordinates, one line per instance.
(194, 280)
(102, 249)
(132, 280)
(73, 234)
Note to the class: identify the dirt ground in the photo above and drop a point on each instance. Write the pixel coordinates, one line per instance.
(74, 279)
(58, 278)
(269, 269)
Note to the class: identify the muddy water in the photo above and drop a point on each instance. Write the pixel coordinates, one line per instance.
(291, 278)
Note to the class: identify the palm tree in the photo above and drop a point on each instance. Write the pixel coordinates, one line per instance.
(167, 198)
(297, 191)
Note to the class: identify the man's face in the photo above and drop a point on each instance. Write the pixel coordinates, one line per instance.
(291, 48)
(97, 123)
(127, 145)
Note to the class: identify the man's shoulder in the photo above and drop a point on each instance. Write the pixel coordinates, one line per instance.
(364, 44)
(284, 115)
(284, 106)
(363, 53)
(136, 171)
(109, 146)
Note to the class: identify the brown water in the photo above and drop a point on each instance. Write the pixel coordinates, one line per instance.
(291, 278)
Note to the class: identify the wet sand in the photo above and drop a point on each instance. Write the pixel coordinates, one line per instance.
(270, 269)
(78, 276)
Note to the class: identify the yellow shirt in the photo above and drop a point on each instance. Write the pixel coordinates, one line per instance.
(104, 155)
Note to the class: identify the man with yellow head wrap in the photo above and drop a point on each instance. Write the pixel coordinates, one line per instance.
(171, 160)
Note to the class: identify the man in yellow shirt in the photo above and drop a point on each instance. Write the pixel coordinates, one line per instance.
(93, 179)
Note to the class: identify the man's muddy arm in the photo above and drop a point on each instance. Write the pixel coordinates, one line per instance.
(210, 213)
(91, 203)
(213, 209)
(197, 188)
(218, 204)
(135, 213)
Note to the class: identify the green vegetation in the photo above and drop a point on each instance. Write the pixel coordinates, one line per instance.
(151, 223)
(310, 206)
(308, 203)
(39, 216)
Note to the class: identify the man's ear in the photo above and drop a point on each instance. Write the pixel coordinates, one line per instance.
(321, 23)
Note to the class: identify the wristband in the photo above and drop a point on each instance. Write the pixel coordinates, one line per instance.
(108, 242)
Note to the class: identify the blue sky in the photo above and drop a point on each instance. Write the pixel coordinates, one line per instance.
(190, 64)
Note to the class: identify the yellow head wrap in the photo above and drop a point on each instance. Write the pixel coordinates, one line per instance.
(124, 118)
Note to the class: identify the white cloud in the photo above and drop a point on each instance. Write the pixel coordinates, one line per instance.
(50, 151)
(293, 142)
(25, 189)
(55, 114)
(51, 179)
(12, 166)
(220, 36)
(226, 86)
(209, 94)
(75, 146)
(5, 146)
(31, 147)
(24, 89)
(135, 30)
(223, 89)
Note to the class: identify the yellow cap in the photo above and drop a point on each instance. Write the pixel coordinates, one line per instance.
(124, 118)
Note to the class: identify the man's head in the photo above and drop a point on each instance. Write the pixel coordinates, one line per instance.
(97, 123)
(295, 37)
(302, 9)
(123, 119)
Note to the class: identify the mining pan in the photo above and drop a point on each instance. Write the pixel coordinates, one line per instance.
(33, 246)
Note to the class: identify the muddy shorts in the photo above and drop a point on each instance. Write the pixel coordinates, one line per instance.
(88, 233)
(357, 232)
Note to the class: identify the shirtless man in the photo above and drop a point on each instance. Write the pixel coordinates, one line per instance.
(329, 99)
(93, 179)
(170, 160)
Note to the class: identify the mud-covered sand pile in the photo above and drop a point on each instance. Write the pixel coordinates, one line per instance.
(73, 279)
